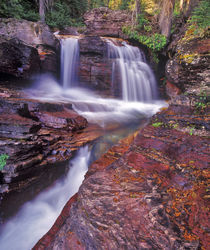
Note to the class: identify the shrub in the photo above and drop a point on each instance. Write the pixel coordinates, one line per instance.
(3, 161)
(201, 15)
(19, 9)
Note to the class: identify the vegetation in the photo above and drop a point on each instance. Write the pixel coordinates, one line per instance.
(24, 9)
(201, 15)
(58, 13)
(157, 124)
(200, 19)
(3, 161)
(61, 13)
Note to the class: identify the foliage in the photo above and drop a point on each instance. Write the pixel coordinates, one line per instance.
(157, 124)
(201, 15)
(202, 103)
(19, 9)
(3, 161)
(177, 11)
(156, 42)
(141, 20)
(58, 16)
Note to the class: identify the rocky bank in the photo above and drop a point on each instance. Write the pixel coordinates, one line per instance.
(150, 192)
(35, 135)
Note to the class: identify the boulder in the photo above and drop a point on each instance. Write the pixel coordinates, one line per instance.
(17, 58)
(31, 33)
(105, 22)
(34, 34)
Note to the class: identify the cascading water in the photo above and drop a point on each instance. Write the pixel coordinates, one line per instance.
(37, 216)
(69, 62)
(138, 81)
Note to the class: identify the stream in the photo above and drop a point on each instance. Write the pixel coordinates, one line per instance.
(118, 118)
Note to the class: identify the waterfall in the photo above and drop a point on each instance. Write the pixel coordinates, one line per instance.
(138, 81)
(37, 216)
(69, 62)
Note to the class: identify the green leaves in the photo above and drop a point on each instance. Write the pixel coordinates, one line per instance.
(19, 9)
(155, 42)
(3, 161)
(201, 15)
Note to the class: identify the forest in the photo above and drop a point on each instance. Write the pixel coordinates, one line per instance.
(104, 124)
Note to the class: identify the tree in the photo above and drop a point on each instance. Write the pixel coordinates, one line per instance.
(44, 5)
(165, 18)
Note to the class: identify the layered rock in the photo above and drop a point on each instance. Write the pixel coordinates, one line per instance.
(94, 69)
(35, 135)
(190, 63)
(37, 35)
(151, 195)
(105, 22)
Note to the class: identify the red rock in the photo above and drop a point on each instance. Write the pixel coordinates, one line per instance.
(151, 195)
(172, 90)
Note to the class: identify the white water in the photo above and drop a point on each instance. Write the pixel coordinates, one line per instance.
(69, 62)
(138, 81)
(93, 107)
(37, 216)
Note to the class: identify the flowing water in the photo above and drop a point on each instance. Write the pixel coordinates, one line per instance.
(36, 217)
(69, 62)
(138, 80)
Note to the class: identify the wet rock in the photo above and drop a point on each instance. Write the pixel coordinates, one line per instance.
(147, 192)
(94, 69)
(69, 31)
(35, 135)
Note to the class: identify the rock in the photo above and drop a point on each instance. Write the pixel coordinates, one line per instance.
(69, 31)
(190, 64)
(33, 34)
(150, 195)
(35, 135)
(172, 90)
(105, 22)
(94, 69)
(17, 58)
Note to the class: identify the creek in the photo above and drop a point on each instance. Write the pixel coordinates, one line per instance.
(118, 118)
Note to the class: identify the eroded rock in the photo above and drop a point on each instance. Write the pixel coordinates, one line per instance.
(37, 134)
(150, 195)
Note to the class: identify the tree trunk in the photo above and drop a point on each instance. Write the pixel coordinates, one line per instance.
(42, 10)
(181, 4)
(165, 18)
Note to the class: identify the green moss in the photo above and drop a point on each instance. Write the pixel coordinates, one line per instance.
(3, 161)
(157, 124)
